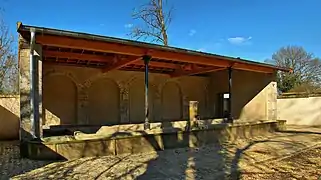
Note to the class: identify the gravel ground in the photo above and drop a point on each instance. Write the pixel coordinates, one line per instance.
(288, 155)
(305, 165)
(10, 162)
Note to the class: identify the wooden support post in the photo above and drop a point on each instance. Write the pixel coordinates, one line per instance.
(146, 62)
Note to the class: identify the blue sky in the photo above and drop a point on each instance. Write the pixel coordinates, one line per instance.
(250, 29)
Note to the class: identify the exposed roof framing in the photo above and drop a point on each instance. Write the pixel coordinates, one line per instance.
(107, 53)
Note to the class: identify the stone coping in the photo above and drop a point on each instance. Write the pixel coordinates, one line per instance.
(157, 125)
(201, 125)
(299, 95)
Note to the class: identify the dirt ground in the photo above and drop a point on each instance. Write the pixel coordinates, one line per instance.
(294, 154)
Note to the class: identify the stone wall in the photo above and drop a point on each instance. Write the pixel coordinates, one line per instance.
(300, 111)
(74, 95)
(253, 94)
(9, 117)
(78, 95)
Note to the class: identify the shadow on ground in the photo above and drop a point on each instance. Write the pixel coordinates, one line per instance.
(230, 160)
(10, 162)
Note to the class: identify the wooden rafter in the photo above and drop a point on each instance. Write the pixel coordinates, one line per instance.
(121, 63)
(101, 58)
(247, 67)
(72, 65)
(70, 55)
(195, 70)
(131, 50)
(157, 64)
(123, 49)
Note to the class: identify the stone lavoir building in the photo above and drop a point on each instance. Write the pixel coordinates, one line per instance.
(77, 79)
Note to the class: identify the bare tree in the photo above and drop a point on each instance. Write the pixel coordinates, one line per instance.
(306, 69)
(8, 61)
(155, 22)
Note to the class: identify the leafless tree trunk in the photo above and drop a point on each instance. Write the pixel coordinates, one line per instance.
(155, 22)
(8, 61)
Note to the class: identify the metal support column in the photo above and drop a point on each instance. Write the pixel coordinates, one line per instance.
(230, 118)
(34, 116)
(146, 62)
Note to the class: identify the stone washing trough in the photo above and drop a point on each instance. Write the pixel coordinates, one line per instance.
(132, 138)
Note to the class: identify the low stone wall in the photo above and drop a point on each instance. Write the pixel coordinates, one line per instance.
(69, 147)
(300, 111)
(9, 117)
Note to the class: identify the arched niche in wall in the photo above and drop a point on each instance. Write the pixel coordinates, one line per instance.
(171, 102)
(103, 102)
(59, 100)
(137, 101)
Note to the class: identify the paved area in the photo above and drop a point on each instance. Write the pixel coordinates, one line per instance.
(295, 154)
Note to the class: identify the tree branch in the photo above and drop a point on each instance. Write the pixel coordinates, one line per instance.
(155, 20)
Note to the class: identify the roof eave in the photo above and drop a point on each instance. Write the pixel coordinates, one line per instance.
(25, 28)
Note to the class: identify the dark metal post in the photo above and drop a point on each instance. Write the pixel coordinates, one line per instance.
(230, 118)
(146, 62)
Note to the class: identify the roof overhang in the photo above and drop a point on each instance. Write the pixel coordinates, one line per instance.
(108, 53)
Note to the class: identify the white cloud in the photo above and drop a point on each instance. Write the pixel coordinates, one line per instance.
(239, 40)
(128, 25)
(192, 32)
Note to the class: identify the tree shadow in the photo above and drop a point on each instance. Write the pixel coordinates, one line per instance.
(11, 162)
(236, 172)
(9, 120)
(299, 132)
(207, 158)
(193, 160)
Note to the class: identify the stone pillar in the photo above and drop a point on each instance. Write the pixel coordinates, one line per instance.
(26, 113)
(157, 115)
(25, 88)
(82, 103)
(193, 113)
(185, 106)
(124, 103)
(272, 101)
(207, 101)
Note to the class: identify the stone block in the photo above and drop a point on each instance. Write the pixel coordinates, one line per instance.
(211, 137)
(281, 125)
(71, 150)
(137, 144)
(177, 139)
(193, 113)
(100, 147)
(194, 140)
(38, 150)
(86, 148)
